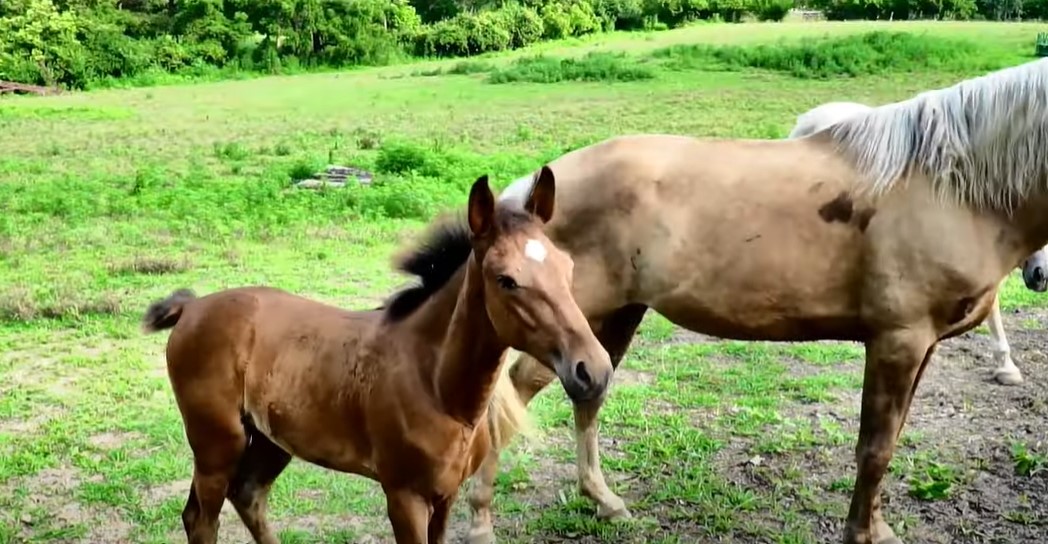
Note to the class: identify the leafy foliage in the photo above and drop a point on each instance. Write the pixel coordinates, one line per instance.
(107, 42)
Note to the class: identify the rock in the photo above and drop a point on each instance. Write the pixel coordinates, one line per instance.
(336, 177)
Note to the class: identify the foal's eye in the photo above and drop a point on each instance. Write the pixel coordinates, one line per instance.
(506, 282)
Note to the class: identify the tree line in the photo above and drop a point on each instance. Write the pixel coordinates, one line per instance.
(80, 43)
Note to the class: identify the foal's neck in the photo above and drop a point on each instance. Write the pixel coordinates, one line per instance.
(469, 358)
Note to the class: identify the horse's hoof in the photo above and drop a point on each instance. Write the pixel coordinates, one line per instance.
(1008, 376)
(483, 536)
(616, 515)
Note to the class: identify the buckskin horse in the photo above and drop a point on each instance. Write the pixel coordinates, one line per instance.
(1034, 267)
(410, 395)
(893, 228)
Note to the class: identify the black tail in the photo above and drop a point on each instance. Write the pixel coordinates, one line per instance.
(164, 314)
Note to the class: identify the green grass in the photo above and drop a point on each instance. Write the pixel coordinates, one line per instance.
(116, 197)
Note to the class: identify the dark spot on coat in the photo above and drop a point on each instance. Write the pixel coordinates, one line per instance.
(838, 209)
(815, 187)
(752, 238)
(862, 219)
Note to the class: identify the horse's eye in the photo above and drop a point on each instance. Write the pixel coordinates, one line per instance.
(506, 282)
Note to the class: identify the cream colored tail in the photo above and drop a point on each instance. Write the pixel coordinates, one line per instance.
(507, 414)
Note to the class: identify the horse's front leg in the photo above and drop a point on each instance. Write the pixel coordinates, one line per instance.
(591, 480)
(409, 513)
(1006, 372)
(894, 363)
(482, 493)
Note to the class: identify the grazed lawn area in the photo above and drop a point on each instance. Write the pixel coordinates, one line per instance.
(114, 198)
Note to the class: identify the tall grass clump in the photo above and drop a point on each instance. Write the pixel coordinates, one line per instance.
(597, 66)
(871, 53)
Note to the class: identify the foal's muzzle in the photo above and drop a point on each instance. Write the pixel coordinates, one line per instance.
(585, 377)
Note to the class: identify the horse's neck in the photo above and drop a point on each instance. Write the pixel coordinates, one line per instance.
(1032, 222)
(470, 355)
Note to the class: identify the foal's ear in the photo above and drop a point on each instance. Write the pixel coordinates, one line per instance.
(481, 207)
(543, 192)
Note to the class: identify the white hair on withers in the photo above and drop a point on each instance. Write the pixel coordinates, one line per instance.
(982, 142)
(824, 115)
(518, 191)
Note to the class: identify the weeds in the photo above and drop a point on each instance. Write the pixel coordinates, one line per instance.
(1027, 462)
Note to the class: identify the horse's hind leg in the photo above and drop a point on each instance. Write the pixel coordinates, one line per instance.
(1006, 372)
(262, 463)
(895, 362)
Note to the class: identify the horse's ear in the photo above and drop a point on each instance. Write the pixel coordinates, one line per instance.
(481, 207)
(543, 193)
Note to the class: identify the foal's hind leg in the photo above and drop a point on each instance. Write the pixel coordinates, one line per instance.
(1006, 372)
(895, 362)
(217, 446)
(262, 463)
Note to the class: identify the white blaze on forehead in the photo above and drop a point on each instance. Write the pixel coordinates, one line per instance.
(534, 250)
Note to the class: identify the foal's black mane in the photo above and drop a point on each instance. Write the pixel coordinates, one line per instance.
(444, 249)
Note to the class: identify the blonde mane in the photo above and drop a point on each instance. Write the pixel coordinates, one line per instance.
(981, 142)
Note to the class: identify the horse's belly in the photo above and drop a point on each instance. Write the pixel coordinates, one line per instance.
(313, 436)
(302, 409)
(766, 297)
(771, 326)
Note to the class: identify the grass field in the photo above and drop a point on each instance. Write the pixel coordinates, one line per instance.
(111, 199)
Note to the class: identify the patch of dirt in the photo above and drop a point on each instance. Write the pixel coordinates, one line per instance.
(51, 492)
(632, 377)
(41, 417)
(111, 441)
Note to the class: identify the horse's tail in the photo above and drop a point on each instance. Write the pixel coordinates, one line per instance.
(507, 414)
(164, 314)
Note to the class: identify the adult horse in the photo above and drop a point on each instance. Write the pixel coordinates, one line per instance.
(410, 395)
(893, 228)
(1034, 267)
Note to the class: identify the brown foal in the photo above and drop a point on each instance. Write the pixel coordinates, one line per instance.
(410, 395)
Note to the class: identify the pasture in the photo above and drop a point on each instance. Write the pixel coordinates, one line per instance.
(114, 198)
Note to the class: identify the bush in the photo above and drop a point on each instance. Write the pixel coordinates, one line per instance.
(864, 54)
(772, 10)
(524, 24)
(593, 67)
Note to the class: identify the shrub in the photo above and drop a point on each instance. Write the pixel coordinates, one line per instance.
(525, 25)
(772, 10)
(864, 54)
(598, 66)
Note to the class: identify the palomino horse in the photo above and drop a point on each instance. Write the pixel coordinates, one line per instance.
(399, 394)
(1034, 267)
(893, 228)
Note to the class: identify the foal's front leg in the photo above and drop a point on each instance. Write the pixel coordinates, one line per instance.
(409, 513)
(438, 522)
(1006, 372)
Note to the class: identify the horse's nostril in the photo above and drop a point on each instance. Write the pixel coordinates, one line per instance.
(1038, 274)
(581, 374)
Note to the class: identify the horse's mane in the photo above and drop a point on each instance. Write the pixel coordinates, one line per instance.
(444, 248)
(981, 141)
